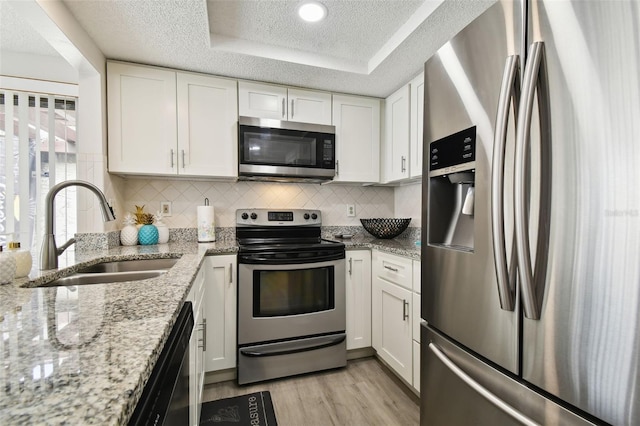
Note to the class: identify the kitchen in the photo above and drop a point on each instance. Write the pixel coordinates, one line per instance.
(385, 201)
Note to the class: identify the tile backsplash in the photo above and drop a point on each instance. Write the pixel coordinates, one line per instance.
(226, 197)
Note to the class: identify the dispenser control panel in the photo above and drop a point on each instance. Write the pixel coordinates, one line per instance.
(453, 153)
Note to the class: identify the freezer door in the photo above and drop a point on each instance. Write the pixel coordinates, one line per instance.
(459, 389)
(463, 84)
(585, 347)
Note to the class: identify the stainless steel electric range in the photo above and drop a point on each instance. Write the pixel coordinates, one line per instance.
(291, 295)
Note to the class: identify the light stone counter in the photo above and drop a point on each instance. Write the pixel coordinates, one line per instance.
(82, 355)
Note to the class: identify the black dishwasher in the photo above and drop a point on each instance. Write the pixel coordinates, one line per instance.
(165, 399)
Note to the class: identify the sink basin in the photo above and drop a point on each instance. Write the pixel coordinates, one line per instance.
(103, 278)
(129, 266)
(116, 272)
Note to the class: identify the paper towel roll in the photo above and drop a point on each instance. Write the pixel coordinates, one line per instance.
(206, 224)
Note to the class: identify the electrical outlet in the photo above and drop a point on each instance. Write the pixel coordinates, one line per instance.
(165, 208)
(351, 210)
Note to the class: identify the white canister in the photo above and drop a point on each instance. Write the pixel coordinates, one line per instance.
(23, 259)
(206, 223)
(163, 230)
(7, 267)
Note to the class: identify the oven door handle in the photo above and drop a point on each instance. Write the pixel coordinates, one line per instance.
(294, 347)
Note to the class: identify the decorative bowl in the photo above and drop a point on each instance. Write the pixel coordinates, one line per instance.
(385, 228)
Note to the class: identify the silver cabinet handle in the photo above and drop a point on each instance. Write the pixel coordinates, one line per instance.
(183, 163)
(350, 265)
(481, 389)
(534, 78)
(172, 158)
(405, 309)
(203, 328)
(231, 273)
(390, 268)
(510, 90)
(403, 166)
(284, 113)
(291, 108)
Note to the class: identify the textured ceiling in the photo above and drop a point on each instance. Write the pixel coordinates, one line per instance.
(367, 47)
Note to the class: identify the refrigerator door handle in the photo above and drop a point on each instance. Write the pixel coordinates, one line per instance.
(481, 390)
(510, 90)
(534, 78)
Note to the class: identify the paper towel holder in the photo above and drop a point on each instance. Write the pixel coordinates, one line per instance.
(206, 223)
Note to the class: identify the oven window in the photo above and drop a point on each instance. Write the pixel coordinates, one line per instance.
(293, 292)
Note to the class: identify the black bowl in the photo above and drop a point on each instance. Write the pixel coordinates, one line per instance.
(385, 228)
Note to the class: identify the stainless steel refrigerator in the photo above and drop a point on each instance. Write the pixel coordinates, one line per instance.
(531, 218)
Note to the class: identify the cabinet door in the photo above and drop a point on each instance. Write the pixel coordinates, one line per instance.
(416, 366)
(309, 106)
(358, 299)
(391, 326)
(393, 268)
(207, 126)
(196, 348)
(141, 102)
(417, 119)
(357, 122)
(396, 143)
(262, 100)
(220, 310)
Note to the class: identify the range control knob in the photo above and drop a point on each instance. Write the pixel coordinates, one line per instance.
(254, 216)
(306, 216)
(314, 216)
(245, 216)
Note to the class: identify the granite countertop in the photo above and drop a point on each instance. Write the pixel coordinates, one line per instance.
(400, 246)
(82, 355)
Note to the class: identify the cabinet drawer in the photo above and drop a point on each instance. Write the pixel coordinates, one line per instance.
(396, 269)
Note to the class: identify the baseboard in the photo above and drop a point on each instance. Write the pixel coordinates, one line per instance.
(220, 376)
(360, 353)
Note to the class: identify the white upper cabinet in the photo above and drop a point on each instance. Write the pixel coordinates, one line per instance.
(281, 103)
(395, 150)
(207, 126)
(163, 122)
(402, 146)
(357, 121)
(142, 122)
(417, 119)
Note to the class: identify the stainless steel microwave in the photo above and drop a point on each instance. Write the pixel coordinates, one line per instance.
(285, 150)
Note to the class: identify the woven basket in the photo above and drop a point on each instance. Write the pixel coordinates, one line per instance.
(385, 228)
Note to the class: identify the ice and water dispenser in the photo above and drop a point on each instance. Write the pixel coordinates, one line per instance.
(452, 190)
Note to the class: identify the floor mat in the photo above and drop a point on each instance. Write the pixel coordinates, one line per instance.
(245, 410)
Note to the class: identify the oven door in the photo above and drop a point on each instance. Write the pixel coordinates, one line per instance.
(279, 302)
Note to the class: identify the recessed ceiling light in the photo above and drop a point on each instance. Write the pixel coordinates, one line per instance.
(312, 11)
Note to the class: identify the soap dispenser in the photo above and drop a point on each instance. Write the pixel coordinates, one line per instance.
(7, 267)
(23, 259)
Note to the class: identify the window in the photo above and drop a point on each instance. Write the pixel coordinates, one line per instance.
(37, 150)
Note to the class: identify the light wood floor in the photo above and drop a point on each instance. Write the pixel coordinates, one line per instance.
(364, 393)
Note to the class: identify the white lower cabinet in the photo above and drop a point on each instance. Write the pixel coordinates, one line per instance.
(395, 314)
(391, 326)
(358, 298)
(196, 348)
(220, 310)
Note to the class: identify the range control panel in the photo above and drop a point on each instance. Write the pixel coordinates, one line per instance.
(268, 217)
(453, 153)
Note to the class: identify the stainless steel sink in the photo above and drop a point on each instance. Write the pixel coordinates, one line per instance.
(115, 272)
(129, 266)
(103, 278)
